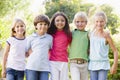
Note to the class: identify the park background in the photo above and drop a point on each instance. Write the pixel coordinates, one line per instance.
(28, 9)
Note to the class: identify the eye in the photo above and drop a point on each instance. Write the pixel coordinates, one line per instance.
(21, 26)
(17, 26)
(63, 20)
(77, 21)
(57, 20)
(40, 24)
(45, 24)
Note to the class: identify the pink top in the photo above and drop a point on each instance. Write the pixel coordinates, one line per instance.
(59, 48)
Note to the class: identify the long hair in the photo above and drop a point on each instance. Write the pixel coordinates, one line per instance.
(13, 33)
(52, 29)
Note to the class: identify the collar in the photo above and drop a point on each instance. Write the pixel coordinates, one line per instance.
(36, 35)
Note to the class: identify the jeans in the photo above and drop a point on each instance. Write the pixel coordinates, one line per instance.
(98, 75)
(37, 75)
(14, 74)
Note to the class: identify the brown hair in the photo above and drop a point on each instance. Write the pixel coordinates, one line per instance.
(52, 30)
(41, 18)
(14, 25)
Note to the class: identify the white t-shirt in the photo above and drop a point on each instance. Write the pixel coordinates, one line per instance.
(16, 55)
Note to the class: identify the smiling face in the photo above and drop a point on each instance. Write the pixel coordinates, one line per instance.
(60, 22)
(41, 28)
(80, 23)
(19, 28)
(99, 22)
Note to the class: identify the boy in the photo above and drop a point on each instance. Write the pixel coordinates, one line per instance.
(78, 51)
(39, 43)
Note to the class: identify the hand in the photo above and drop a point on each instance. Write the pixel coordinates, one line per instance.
(3, 73)
(113, 69)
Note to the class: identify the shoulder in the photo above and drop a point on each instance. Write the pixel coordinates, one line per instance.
(30, 37)
(49, 36)
(10, 39)
(107, 34)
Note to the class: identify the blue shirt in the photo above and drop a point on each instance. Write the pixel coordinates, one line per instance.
(98, 53)
(40, 45)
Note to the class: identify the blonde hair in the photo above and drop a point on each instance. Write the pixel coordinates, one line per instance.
(101, 14)
(82, 15)
(14, 25)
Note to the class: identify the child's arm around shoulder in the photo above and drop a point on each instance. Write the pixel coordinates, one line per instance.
(4, 61)
(115, 52)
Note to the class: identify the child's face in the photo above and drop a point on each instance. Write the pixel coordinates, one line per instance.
(42, 27)
(80, 23)
(99, 22)
(19, 28)
(60, 22)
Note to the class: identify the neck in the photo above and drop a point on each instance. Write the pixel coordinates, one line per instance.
(20, 36)
(99, 31)
(40, 33)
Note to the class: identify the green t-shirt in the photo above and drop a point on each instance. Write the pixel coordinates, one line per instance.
(79, 45)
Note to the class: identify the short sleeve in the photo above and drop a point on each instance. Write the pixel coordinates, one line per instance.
(9, 40)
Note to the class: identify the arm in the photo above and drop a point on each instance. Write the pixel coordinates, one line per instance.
(115, 52)
(5, 56)
(28, 53)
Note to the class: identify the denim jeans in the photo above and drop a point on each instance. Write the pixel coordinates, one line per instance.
(36, 75)
(14, 74)
(98, 75)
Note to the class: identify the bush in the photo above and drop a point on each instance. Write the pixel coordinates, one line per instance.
(117, 75)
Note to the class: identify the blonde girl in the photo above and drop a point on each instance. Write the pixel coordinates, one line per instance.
(100, 40)
(13, 64)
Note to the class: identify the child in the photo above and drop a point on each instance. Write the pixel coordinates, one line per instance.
(100, 41)
(78, 50)
(13, 65)
(39, 44)
(59, 29)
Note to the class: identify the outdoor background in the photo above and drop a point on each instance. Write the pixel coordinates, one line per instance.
(28, 9)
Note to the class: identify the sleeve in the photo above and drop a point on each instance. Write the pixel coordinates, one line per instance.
(9, 40)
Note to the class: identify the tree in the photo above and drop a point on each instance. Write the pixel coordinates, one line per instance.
(68, 7)
(7, 6)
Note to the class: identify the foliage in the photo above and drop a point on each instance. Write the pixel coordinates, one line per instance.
(7, 6)
(114, 76)
(4, 31)
(69, 8)
(87, 8)
(112, 23)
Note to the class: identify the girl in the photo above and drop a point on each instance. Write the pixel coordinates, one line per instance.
(38, 44)
(59, 29)
(78, 50)
(13, 64)
(100, 41)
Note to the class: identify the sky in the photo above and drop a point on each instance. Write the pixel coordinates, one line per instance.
(114, 3)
